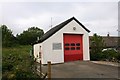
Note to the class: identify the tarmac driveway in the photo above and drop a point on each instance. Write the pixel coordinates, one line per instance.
(82, 69)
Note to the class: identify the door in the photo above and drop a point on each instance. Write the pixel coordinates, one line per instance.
(73, 47)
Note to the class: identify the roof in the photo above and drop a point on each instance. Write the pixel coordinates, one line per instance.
(57, 28)
(111, 41)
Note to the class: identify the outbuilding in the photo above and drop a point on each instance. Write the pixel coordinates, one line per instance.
(68, 41)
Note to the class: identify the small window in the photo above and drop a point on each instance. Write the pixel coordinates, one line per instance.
(72, 48)
(72, 44)
(77, 44)
(57, 46)
(67, 48)
(67, 44)
(77, 48)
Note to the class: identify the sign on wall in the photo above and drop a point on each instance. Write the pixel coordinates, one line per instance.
(57, 46)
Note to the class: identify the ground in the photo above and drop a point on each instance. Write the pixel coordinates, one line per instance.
(83, 69)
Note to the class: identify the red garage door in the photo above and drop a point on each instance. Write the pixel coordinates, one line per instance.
(73, 47)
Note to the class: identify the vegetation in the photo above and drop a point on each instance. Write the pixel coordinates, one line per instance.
(110, 55)
(96, 47)
(26, 38)
(16, 61)
(96, 52)
(17, 64)
(30, 36)
(7, 37)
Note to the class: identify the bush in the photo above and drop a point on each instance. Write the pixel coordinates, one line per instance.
(108, 55)
(8, 39)
(96, 45)
(17, 64)
(95, 56)
(118, 57)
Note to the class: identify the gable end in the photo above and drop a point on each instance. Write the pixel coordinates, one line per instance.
(57, 28)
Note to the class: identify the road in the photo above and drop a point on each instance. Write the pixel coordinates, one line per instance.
(82, 69)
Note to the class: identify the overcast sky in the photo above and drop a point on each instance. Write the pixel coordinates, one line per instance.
(98, 17)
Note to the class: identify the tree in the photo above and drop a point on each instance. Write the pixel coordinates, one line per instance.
(97, 44)
(7, 36)
(30, 36)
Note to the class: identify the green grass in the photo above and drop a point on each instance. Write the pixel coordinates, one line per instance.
(16, 63)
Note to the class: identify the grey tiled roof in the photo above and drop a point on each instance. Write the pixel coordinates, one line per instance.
(111, 41)
(57, 28)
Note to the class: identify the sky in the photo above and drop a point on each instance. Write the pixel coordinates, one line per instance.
(99, 17)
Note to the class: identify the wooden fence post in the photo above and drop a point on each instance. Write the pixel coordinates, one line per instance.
(49, 70)
(40, 69)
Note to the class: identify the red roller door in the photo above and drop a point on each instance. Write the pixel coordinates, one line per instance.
(73, 47)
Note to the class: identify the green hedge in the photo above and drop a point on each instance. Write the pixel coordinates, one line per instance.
(108, 55)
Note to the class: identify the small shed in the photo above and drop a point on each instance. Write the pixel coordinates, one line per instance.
(68, 41)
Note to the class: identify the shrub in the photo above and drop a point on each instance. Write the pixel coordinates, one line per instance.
(16, 64)
(110, 55)
(96, 45)
(118, 57)
(95, 56)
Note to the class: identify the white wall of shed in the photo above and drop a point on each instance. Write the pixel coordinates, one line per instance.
(36, 50)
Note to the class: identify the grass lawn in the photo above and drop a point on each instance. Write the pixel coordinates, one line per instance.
(16, 63)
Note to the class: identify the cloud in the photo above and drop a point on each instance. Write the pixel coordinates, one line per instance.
(59, 0)
(99, 17)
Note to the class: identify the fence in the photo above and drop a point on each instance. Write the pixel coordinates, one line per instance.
(39, 70)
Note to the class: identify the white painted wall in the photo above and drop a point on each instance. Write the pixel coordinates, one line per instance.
(36, 50)
(57, 56)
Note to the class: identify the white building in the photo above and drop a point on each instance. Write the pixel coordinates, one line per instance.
(68, 41)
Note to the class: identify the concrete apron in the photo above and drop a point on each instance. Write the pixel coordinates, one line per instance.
(81, 69)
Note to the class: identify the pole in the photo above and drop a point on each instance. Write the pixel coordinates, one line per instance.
(40, 69)
(49, 70)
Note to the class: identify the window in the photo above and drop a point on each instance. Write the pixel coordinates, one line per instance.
(72, 44)
(72, 48)
(77, 44)
(77, 48)
(67, 48)
(66, 44)
(57, 46)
